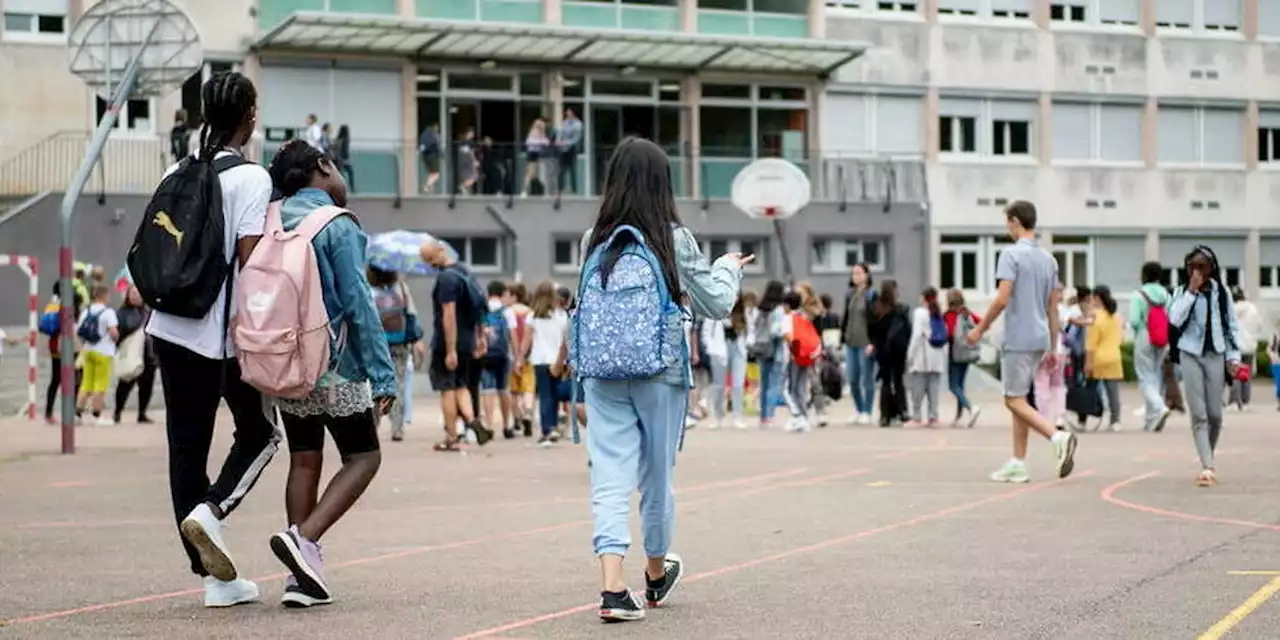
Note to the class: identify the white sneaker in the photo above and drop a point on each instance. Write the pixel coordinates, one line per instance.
(974, 412)
(204, 531)
(864, 418)
(228, 594)
(716, 424)
(739, 423)
(104, 421)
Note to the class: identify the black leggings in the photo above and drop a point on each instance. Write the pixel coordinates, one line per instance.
(55, 383)
(145, 383)
(353, 434)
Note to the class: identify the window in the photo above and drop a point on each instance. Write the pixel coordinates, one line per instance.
(958, 134)
(1269, 18)
(1010, 137)
(964, 125)
(135, 115)
(1200, 135)
(1095, 12)
(1015, 9)
(900, 6)
(35, 19)
(1269, 136)
(1269, 277)
(838, 256)
(1097, 132)
(969, 262)
(1074, 256)
(1221, 16)
(862, 125)
(800, 7)
(1067, 12)
(844, 4)
(567, 256)
(958, 263)
(483, 254)
(746, 121)
(716, 247)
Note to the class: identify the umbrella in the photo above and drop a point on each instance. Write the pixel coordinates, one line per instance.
(123, 280)
(400, 251)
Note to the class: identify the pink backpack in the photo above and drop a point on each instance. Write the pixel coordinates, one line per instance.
(281, 328)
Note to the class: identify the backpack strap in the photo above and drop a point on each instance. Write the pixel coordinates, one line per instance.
(317, 220)
(274, 224)
(229, 162)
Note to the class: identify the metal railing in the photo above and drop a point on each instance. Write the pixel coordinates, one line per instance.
(128, 165)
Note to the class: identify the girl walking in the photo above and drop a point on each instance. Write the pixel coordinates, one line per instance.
(637, 248)
(927, 355)
(859, 361)
(768, 348)
(404, 336)
(361, 378)
(960, 321)
(547, 327)
(730, 378)
(890, 335)
(132, 316)
(1102, 364)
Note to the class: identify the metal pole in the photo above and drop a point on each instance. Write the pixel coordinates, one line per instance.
(66, 290)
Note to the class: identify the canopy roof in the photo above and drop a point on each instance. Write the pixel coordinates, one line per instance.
(473, 41)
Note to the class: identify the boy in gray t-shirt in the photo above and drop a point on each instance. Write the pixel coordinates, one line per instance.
(1027, 276)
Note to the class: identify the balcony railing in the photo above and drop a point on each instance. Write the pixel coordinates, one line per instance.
(128, 165)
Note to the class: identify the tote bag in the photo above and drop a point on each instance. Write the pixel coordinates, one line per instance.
(129, 357)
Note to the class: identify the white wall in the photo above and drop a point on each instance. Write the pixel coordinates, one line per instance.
(367, 100)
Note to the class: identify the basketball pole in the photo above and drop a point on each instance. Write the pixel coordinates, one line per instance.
(66, 290)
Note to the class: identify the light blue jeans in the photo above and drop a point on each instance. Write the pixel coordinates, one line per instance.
(1148, 365)
(734, 369)
(770, 387)
(860, 369)
(633, 439)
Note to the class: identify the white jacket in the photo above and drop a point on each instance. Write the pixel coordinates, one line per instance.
(1251, 326)
(923, 357)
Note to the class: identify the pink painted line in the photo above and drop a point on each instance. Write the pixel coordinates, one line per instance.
(826, 544)
(1108, 494)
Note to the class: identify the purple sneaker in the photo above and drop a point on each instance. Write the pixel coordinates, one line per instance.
(305, 561)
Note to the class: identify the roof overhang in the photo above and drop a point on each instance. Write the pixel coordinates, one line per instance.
(473, 41)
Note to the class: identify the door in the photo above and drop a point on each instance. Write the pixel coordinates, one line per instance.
(606, 132)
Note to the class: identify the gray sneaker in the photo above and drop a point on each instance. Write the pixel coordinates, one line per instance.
(306, 562)
(1066, 450)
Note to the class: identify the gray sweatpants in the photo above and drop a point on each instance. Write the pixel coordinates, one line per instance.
(1202, 380)
(924, 385)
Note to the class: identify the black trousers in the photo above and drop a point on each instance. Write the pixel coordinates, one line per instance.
(893, 392)
(145, 383)
(193, 387)
(55, 383)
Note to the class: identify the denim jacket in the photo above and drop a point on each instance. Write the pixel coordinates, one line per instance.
(362, 353)
(712, 289)
(1193, 309)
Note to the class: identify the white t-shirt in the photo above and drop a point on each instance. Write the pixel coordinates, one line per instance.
(4, 335)
(106, 321)
(547, 335)
(246, 191)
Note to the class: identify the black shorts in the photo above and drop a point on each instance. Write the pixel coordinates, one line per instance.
(432, 162)
(465, 376)
(352, 434)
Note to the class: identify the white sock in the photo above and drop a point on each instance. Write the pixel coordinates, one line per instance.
(1016, 462)
(1059, 437)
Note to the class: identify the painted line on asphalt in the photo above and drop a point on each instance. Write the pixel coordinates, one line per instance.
(419, 550)
(1237, 615)
(1253, 573)
(826, 544)
(1108, 494)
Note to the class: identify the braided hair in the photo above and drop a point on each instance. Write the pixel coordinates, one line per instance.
(229, 99)
(293, 166)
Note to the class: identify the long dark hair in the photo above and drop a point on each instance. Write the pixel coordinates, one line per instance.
(887, 299)
(229, 99)
(293, 165)
(1103, 293)
(865, 269)
(774, 293)
(931, 301)
(738, 316)
(637, 192)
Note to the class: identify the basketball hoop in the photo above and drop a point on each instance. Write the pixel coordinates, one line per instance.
(122, 49)
(771, 189)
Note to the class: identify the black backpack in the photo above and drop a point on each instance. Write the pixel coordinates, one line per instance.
(177, 259)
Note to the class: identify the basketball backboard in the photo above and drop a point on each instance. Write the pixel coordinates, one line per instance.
(771, 188)
(112, 33)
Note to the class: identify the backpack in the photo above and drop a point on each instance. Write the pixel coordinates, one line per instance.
(961, 350)
(90, 330)
(51, 320)
(281, 326)
(1157, 322)
(629, 316)
(178, 260)
(832, 378)
(391, 309)
(806, 344)
(938, 331)
(1075, 340)
(765, 344)
(499, 336)
(1175, 332)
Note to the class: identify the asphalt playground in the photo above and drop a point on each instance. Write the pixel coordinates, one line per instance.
(846, 532)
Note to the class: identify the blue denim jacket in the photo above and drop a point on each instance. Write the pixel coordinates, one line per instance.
(340, 254)
(1197, 306)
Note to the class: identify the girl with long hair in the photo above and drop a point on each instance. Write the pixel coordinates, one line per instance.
(637, 424)
(359, 386)
(960, 321)
(769, 349)
(546, 328)
(926, 356)
(859, 358)
(133, 316)
(1102, 362)
(890, 335)
(535, 146)
(728, 372)
(522, 384)
(404, 335)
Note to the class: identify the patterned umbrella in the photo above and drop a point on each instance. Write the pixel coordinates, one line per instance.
(400, 251)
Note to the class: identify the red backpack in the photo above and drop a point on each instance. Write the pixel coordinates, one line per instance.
(806, 344)
(1157, 323)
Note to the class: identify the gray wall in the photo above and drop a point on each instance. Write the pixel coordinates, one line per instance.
(104, 233)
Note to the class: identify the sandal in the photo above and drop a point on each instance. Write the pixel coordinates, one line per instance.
(448, 444)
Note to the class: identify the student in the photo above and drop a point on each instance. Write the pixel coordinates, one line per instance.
(495, 364)
(805, 348)
(1208, 344)
(132, 316)
(1148, 359)
(1027, 276)
(55, 352)
(360, 379)
(1251, 328)
(198, 366)
(890, 334)
(1102, 363)
(768, 348)
(636, 424)
(927, 355)
(960, 320)
(1273, 351)
(457, 336)
(547, 328)
(726, 349)
(98, 329)
(1050, 385)
(859, 360)
(522, 384)
(403, 332)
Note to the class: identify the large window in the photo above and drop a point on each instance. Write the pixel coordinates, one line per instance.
(1201, 15)
(871, 125)
(1009, 9)
(1125, 13)
(1090, 132)
(1074, 256)
(567, 255)
(1200, 135)
(1269, 277)
(969, 262)
(136, 116)
(1269, 135)
(749, 121)
(993, 128)
(799, 7)
(959, 264)
(37, 20)
(713, 248)
(840, 255)
(484, 254)
(1269, 18)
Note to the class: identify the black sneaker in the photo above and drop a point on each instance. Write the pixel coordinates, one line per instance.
(483, 434)
(143, 419)
(528, 427)
(620, 607)
(657, 591)
(508, 433)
